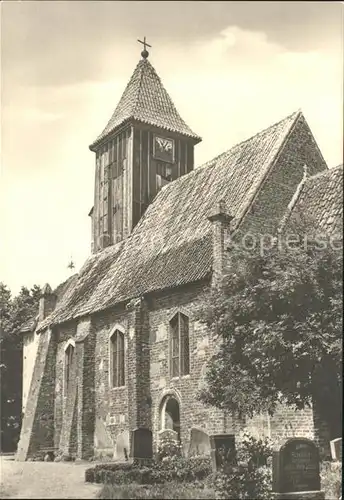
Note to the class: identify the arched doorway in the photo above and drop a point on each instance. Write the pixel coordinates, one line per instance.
(170, 415)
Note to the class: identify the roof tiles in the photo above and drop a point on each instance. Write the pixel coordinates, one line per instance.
(180, 251)
(146, 100)
(321, 200)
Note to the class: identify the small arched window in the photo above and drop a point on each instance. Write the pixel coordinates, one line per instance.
(69, 359)
(180, 351)
(117, 359)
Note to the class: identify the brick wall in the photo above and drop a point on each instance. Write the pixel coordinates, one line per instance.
(275, 194)
(75, 409)
(64, 333)
(286, 422)
(38, 423)
(192, 412)
(85, 414)
(111, 404)
(68, 430)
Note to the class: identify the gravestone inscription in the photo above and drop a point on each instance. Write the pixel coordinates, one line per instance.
(141, 443)
(295, 466)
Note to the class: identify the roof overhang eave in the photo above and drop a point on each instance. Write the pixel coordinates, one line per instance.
(102, 139)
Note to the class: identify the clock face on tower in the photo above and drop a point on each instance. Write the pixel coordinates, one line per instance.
(163, 149)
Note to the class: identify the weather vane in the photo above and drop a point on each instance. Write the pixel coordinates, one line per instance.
(71, 264)
(145, 52)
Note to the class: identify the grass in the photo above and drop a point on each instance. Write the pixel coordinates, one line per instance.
(158, 491)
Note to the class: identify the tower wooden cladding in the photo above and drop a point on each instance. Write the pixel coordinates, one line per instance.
(132, 165)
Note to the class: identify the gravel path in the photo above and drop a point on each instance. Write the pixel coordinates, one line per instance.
(44, 480)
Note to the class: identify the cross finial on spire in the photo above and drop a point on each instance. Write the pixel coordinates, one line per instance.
(145, 52)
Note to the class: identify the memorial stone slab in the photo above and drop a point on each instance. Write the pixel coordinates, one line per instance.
(199, 443)
(141, 444)
(222, 450)
(295, 469)
(336, 449)
(122, 446)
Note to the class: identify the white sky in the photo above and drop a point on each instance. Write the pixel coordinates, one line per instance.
(232, 68)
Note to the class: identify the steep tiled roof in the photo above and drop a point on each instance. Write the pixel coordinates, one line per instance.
(320, 200)
(146, 100)
(172, 244)
(60, 292)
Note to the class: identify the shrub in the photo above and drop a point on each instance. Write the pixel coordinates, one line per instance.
(331, 479)
(249, 476)
(240, 482)
(89, 475)
(253, 451)
(177, 469)
(168, 447)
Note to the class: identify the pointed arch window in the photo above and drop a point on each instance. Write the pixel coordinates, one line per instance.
(180, 348)
(68, 366)
(117, 359)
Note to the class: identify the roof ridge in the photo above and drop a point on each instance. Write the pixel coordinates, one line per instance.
(207, 164)
(325, 172)
(295, 117)
(142, 62)
(296, 113)
(294, 200)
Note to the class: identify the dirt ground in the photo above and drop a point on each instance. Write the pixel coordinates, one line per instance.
(44, 480)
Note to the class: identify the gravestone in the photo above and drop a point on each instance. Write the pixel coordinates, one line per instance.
(122, 446)
(199, 443)
(295, 470)
(222, 450)
(141, 444)
(336, 449)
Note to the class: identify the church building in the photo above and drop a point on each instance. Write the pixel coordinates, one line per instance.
(118, 346)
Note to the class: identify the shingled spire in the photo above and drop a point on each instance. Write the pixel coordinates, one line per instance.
(146, 100)
(145, 145)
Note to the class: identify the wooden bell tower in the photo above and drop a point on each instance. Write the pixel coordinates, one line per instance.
(145, 145)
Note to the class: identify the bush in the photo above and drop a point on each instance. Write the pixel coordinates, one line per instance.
(240, 482)
(177, 469)
(331, 479)
(255, 452)
(89, 475)
(168, 447)
(249, 477)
